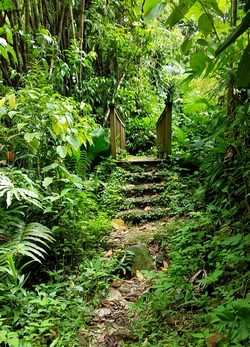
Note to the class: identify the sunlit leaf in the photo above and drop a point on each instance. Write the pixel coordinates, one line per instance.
(29, 136)
(62, 151)
(47, 181)
(179, 12)
(205, 24)
(186, 45)
(2, 101)
(73, 141)
(12, 101)
(154, 11)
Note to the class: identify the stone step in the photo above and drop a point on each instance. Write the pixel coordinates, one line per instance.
(138, 216)
(146, 162)
(143, 177)
(134, 190)
(142, 201)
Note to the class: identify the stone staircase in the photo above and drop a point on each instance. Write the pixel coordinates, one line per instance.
(142, 195)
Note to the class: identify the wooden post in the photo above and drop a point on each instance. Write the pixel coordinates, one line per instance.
(164, 131)
(113, 130)
(168, 128)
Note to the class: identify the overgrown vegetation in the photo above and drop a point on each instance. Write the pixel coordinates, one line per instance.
(62, 64)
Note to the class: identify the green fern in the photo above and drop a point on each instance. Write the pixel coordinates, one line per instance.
(8, 188)
(30, 240)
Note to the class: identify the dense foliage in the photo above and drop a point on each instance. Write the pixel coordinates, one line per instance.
(62, 64)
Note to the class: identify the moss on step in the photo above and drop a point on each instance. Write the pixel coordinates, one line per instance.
(140, 260)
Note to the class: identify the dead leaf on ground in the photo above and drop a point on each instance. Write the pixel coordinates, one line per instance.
(108, 254)
(117, 284)
(139, 275)
(165, 264)
(118, 224)
(101, 338)
(213, 340)
(110, 340)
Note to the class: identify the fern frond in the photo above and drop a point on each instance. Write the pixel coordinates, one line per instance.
(30, 240)
(83, 164)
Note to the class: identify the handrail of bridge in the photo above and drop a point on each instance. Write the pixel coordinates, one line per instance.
(117, 127)
(163, 131)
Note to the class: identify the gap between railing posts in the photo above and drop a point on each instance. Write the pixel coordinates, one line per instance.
(117, 129)
(164, 132)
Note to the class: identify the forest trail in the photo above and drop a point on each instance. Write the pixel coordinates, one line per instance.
(143, 214)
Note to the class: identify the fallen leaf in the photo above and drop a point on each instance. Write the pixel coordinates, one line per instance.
(118, 224)
(139, 275)
(116, 284)
(108, 254)
(101, 338)
(213, 340)
(165, 264)
(53, 332)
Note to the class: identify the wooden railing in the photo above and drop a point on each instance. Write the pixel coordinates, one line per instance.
(163, 132)
(117, 127)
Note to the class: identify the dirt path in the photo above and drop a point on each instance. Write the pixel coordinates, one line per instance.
(111, 325)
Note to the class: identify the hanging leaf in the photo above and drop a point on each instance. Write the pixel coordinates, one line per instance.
(2, 102)
(62, 151)
(199, 61)
(179, 12)
(205, 24)
(186, 45)
(73, 141)
(214, 5)
(202, 42)
(154, 11)
(243, 72)
(149, 4)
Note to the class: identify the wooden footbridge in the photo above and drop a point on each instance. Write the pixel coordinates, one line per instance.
(163, 139)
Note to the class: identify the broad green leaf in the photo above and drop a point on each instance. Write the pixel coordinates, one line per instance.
(154, 11)
(199, 61)
(62, 151)
(2, 101)
(179, 12)
(50, 167)
(47, 181)
(20, 126)
(12, 52)
(6, 5)
(73, 141)
(3, 51)
(226, 316)
(243, 72)
(244, 313)
(202, 42)
(149, 4)
(34, 143)
(233, 240)
(214, 5)
(56, 128)
(186, 45)
(205, 24)
(29, 136)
